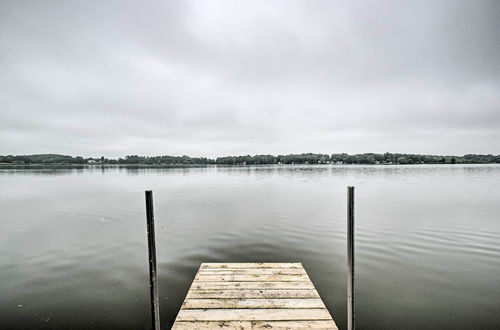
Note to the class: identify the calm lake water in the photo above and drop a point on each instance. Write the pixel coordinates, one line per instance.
(73, 249)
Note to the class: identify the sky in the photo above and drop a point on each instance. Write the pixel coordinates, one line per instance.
(214, 78)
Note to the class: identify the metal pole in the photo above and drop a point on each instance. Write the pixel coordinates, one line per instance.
(153, 275)
(350, 259)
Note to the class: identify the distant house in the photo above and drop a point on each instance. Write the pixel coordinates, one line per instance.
(92, 161)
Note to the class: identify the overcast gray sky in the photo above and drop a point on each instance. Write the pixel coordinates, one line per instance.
(210, 78)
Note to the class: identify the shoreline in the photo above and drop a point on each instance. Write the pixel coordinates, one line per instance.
(138, 166)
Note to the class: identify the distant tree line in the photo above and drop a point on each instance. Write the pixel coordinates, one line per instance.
(42, 159)
(367, 158)
(308, 158)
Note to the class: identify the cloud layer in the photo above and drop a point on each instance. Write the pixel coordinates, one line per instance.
(210, 78)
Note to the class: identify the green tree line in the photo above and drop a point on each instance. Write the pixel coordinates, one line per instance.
(306, 158)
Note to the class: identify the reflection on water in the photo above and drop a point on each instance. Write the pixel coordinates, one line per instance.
(73, 250)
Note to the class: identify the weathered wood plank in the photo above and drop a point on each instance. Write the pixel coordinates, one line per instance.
(252, 271)
(242, 278)
(195, 325)
(251, 265)
(248, 325)
(240, 294)
(252, 303)
(251, 285)
(252, 314)
(324, 324)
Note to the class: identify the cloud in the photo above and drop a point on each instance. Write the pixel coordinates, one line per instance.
(208, 79)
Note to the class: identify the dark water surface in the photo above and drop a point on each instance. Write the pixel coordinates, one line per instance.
(73, 251)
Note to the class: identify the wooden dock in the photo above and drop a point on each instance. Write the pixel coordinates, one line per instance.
(253, 296)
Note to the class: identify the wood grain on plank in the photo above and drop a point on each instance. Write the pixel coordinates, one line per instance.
(252, 314)
(224, 325)
(248, 325)
(252, 278)
(252, 303)
(269, 294)
(252, 271)
(322, 324)
(251, 265)
(251, 285)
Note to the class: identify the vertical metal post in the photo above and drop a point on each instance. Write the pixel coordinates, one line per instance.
(350, 258)
(153, 275)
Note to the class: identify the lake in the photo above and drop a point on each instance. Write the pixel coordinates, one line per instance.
(73, 247)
